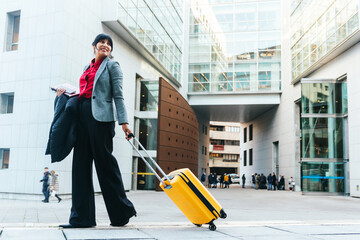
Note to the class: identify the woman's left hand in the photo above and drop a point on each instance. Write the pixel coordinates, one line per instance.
(126, 130)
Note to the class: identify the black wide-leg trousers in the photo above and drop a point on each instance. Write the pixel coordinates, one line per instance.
(95, 142)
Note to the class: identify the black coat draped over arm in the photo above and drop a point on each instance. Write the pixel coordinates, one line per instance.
(62, 135)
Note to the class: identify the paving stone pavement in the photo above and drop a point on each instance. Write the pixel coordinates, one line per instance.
(251, 215)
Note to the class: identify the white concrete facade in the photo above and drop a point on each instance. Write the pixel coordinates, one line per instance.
(54, 46)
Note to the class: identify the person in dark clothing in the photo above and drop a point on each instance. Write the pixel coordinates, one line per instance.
(45, 187)
(269, 180)
(203, 178)
(274, 181)
(221, 180)
(210, 180)
(257, 181)
(262, 181)
(282, 183)
(215, 180)
(243, 178)
(253, 179)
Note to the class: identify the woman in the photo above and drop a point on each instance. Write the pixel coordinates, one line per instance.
(54, 185)
(100, 85)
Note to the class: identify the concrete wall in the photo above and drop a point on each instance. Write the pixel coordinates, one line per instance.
(54, 46)
(204, 131)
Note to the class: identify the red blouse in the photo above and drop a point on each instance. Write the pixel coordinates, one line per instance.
(87, 79)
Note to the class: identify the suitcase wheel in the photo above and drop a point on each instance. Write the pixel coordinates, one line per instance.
(212, 227)
(223, 214)
(198, 225)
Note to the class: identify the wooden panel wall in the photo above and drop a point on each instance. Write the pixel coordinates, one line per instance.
(178, 131)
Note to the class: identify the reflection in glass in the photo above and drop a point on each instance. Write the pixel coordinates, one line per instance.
(322, 177)
(324, 28)
(327, 98)
(322, 137)
(242, 86)
(158, 26)
(198, 87)
(148, 133)
(146, 180)
(149, 95)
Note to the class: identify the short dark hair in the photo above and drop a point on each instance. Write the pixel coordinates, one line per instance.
(46, 168)
(103, 36)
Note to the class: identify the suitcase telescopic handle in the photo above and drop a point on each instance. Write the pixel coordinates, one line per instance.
(131, 135)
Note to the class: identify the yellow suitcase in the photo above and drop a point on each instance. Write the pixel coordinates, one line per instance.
(187, 192)
(193, 199)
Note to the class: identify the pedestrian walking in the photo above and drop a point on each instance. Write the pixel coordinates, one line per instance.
(45, 186)
(243, 178)
(100, 86)
(54, 185)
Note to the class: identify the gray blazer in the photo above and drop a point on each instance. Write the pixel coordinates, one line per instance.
(108, 87)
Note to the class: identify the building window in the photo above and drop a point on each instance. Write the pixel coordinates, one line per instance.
(232, 129)
(250, 132)
(148, 133)
(230, 157)
(12, 33)
(6, 103)
(202, 150)
(216, 155)
(4, 158)
(245, 159)
(250, 157)
(232, 142)
(149, 96)
(204, 129)
(205, 150)
(245, 135)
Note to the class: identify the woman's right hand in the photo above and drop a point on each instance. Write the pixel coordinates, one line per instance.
(59, 92)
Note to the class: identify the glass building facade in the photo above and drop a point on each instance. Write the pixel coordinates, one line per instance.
(158, 25)
(324, 136)
(314, 34)
(234, 46)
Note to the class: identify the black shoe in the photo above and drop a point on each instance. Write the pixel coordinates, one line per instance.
(120, 224)
(45, 201)
(74, 226)
(59, 200)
